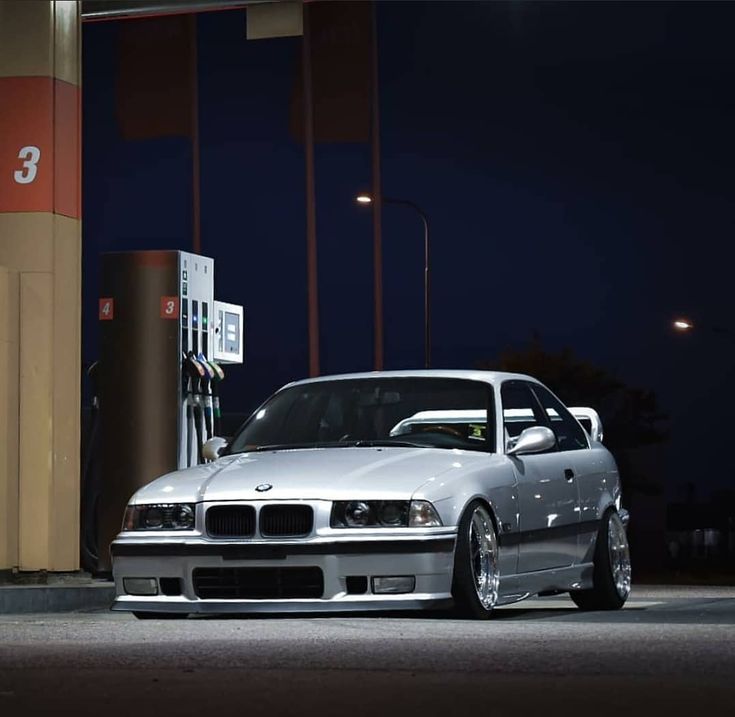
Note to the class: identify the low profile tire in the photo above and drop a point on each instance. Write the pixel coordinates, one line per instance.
(611, 575)
(160, 615)
(476, 573)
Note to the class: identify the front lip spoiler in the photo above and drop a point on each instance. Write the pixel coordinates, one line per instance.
(244, 551)
(413, 601)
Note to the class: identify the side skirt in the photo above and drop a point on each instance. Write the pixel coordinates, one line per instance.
(518, 587)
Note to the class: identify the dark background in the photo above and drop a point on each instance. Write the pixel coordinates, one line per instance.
(574, 159)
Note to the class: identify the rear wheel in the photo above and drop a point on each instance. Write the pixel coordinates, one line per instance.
(476, 573)
(611, 575)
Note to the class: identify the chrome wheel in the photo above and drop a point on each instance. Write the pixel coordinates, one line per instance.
(617, 545)
(483, 555)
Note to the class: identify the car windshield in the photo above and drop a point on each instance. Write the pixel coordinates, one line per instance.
(417, 412)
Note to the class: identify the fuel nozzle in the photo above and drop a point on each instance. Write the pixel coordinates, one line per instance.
(194, 373)
(206, 395)
(219, 376)
(195, 369)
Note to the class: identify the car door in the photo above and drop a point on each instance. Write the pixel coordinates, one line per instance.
(589, 469)
(547, 495)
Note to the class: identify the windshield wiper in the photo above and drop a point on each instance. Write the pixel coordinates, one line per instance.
(280, 447)
(386, 443)
(277, 447)
(332, 444)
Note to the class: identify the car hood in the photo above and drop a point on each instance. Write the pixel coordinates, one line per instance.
(310, 474)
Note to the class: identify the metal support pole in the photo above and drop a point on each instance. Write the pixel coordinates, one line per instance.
(427, 304)
(377, 194)
(311, 249)
(195, 148)
(427, 276)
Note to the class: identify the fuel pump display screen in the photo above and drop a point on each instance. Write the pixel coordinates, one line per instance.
(228, 336)
(232, 333)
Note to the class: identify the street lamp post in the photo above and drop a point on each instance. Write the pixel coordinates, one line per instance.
(367, 199)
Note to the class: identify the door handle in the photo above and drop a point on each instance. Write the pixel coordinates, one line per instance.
(569, 474)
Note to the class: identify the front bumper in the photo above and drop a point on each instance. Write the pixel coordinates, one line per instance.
(429, 558)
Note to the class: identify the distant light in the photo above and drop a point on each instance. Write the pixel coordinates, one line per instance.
(683, 325)
(364, 199)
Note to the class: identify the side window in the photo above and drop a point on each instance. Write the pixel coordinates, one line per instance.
(520, 410)
(569, 434)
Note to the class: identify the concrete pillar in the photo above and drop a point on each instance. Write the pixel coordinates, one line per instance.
(40, 288)
(9, 437)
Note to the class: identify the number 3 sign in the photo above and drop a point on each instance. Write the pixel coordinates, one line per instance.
(39, 146)
(30, 156)
(169, 307)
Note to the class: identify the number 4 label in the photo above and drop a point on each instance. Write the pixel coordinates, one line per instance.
(169, 307)
(107, 309)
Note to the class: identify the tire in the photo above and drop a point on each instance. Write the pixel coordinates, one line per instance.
(160, 615)
(476, 573)
(611, 573)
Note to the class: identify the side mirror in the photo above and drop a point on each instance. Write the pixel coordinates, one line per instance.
(536, 439)
(213, 447)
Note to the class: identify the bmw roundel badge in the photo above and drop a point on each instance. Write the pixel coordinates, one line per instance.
(263, 487)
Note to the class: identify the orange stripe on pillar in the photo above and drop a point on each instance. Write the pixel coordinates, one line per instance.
(26, 144)
(39, 146)
(67, 146)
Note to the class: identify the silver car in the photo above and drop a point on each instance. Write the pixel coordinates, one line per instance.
(392, 490)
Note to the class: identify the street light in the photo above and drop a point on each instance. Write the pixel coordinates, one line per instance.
(367, 199)
(685, 325)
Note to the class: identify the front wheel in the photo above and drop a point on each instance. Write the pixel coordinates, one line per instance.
(476, 573)
(611, 575)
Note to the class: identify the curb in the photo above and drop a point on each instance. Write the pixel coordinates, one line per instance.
(16, 599)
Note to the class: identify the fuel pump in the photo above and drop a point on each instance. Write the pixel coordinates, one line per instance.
(163, 338)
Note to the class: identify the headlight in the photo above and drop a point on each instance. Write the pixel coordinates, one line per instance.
(168, 516)
(384, 514)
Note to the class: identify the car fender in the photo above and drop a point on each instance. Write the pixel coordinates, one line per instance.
(495, 484)
(609, 497)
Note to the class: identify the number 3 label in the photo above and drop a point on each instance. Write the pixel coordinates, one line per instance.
(169, 307)
(27, 174)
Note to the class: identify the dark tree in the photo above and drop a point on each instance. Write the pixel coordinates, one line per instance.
(630, 416)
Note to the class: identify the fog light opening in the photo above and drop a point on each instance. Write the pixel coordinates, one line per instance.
(170, 586)
(356, 584)
(140, 586)
(394, 584)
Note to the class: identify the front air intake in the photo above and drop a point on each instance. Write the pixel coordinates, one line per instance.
(258, 583)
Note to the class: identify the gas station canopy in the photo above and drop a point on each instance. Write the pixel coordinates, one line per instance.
(117, 9)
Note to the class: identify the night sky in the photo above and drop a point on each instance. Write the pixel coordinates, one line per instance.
(575, 161)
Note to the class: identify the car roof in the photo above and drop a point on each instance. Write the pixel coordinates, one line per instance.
(491, 377)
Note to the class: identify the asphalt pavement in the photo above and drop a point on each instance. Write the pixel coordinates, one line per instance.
(669, 651)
